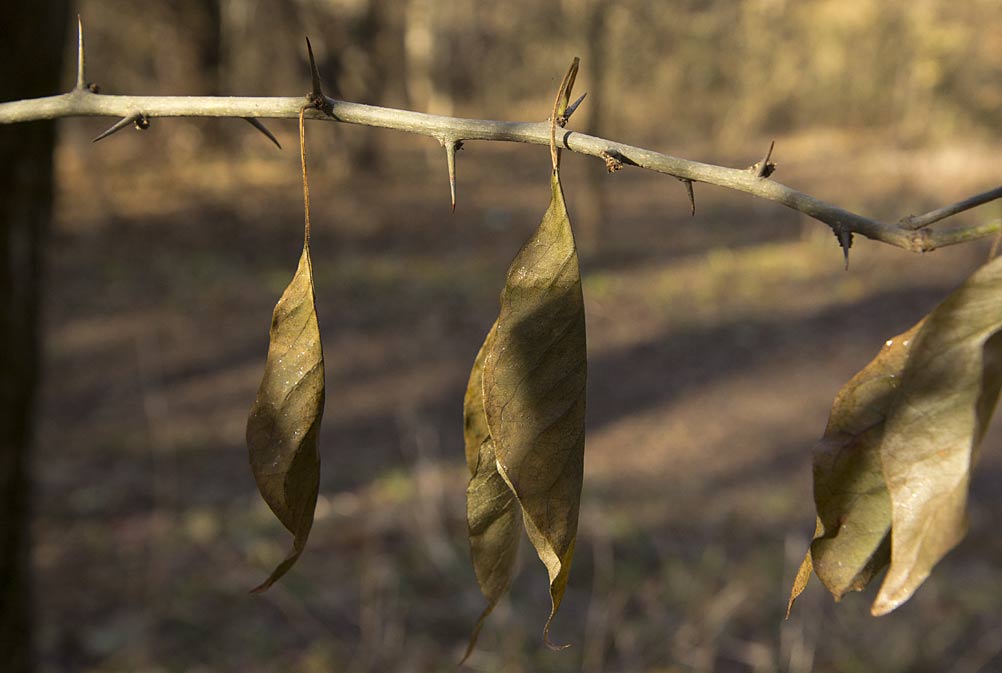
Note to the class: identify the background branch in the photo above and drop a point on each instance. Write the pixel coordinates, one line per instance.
(911, 233)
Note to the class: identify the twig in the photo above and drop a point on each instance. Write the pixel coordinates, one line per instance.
(906, 234)
(920, 221)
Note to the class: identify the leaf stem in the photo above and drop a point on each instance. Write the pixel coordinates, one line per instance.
(306, 178)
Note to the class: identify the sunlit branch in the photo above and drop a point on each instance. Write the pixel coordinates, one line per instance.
(910, 233)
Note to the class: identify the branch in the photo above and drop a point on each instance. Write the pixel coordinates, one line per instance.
(911, 233)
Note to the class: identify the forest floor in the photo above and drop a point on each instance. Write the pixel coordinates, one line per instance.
(716, 344)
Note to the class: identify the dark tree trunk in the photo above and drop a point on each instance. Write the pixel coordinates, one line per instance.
(210, 45)
(32, 38)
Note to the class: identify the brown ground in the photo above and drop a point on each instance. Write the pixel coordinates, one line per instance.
(716, 346)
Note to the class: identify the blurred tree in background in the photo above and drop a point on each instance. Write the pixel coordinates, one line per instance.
(715, 70)
(29, 67)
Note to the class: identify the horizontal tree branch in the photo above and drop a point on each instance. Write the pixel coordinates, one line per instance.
(910, 233)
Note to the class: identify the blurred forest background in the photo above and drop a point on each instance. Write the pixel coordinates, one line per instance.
(716, 342)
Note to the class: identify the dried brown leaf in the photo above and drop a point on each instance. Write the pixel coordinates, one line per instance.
(949, 390)
(284, 423)
(492, 513)
(475, 429)
(804, 573)
(854, 510)
(892, 470)
(534, 390)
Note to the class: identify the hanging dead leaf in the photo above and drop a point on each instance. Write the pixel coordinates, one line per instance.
(854, 510)
(892, 471)
(534, 390)
(492, 512)
(284, 423)
(948, 392)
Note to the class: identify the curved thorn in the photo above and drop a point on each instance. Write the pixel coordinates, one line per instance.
(256, 123)
(81, 83)
(692, 195)
(450, 159)
(119, 125)
(317, 91)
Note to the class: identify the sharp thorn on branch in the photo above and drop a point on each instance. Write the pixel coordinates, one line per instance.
(844, 237)
(451, 146)
(566, 116)
(122, 123)
(256, 123)
(81, 84)
(691, 193)
(765, 167)
(317, 90)
(316, 97)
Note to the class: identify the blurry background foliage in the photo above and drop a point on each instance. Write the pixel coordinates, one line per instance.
(716, 343)
(671, 71)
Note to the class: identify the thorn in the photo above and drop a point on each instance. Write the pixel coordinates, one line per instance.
(256, 123)
(844, 237)
(316, 97)
(317, 91)
(81, 82)
(566, 116)
(136, 118)
(764, 168)
(450, 159)
(613, 160)
(692, 195)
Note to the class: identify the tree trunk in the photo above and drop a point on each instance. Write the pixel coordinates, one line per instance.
(31, 52)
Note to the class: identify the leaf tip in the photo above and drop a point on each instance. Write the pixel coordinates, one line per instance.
(882, 606)
(556, 647)
(804, 573)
